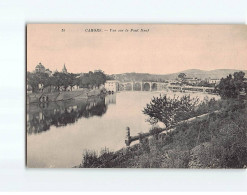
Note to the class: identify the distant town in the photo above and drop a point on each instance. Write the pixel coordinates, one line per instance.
(44, 80)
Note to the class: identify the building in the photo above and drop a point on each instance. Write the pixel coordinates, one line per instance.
(192, 80)
(40, 68)
(64, 70)
(112, 85)
(214, 81)
(98, 71)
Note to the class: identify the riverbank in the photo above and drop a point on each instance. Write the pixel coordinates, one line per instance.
(62, 95)
(218, 141)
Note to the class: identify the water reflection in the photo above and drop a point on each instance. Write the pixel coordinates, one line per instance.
(69, 135)
(41, 116)
(110, 99)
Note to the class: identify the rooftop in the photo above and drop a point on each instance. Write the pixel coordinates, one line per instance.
(40, 65)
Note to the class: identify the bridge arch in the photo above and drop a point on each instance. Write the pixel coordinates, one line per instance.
(128, 86)
(137, 86)
(154, 86)
(146, 87)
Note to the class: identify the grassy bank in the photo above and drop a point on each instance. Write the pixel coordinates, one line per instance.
(219, 141)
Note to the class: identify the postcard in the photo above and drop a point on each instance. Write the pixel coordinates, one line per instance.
(136, 96)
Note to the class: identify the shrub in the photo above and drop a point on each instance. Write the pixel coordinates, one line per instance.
(170, 110)
(230, 87)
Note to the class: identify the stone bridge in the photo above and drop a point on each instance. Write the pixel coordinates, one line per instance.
(161, 86)
(142, 86)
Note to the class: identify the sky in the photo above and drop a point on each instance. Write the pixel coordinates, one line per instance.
(158, 49)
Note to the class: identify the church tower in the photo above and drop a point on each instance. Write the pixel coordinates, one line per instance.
(64, 69)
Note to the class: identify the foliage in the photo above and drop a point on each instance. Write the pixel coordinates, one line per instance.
(182, 76)
(34, 79)
(226, 143)
(220, 141)
(231, 86)
(65, 80)
(110, 77)
(170, 110)
(92, 79)
(92, 159)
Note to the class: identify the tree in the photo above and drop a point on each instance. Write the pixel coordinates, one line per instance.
(57, 80)
(92, 79)
(33, 81)
(43, 78)
(99, 78)
(110, 77)
(239, 76)
(170, 110)
(182, 76)
(230, 87)
(239, 81)
(72, 81)
(84, 80)
(65, 80)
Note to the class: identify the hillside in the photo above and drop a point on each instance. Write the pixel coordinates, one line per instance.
(215, 142)
(201, 74)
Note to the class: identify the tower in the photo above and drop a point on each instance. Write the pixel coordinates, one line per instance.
(64, 69)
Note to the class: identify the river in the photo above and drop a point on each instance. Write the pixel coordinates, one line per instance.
(58, 133)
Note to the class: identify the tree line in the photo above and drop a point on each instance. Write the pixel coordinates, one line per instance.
(65, 81)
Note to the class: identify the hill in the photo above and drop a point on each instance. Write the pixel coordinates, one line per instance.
(201, 74)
